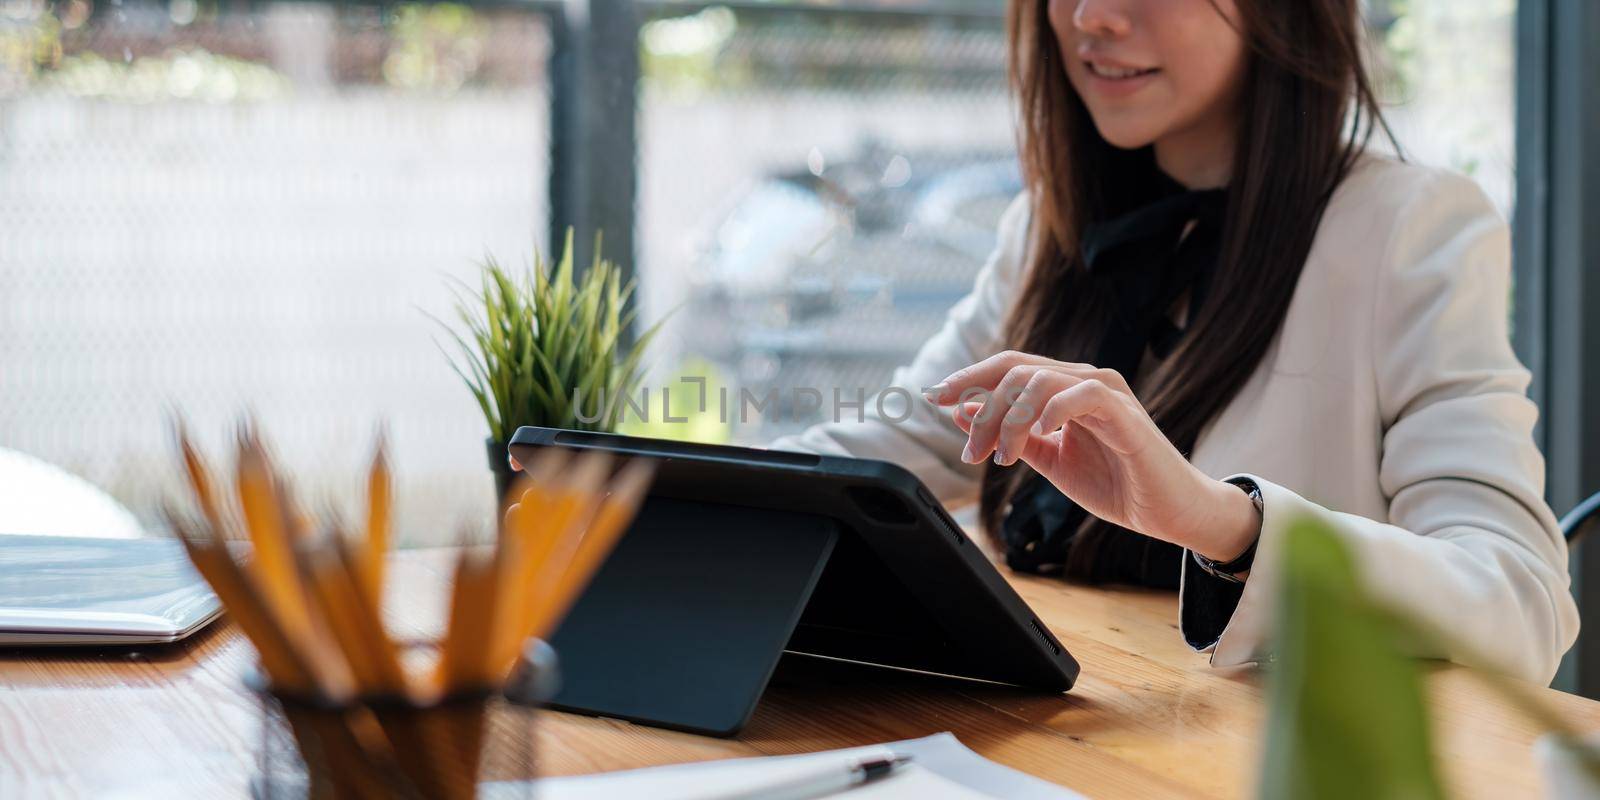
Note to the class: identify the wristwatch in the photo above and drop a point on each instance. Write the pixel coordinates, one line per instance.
(1229, 570)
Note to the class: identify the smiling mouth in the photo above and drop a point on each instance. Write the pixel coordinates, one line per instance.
(1117, 73)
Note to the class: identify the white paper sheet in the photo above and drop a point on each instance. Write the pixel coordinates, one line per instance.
(941, 769)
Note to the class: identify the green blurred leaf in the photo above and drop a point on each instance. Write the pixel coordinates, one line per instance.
(1347, 714)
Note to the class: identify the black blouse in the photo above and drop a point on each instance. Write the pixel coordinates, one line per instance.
(1160, 242)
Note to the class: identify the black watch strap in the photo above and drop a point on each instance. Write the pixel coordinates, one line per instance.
(1229, 570)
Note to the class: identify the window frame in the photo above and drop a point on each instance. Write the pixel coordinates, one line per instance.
(1556, 250)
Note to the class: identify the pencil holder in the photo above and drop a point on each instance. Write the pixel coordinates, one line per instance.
(471, 745)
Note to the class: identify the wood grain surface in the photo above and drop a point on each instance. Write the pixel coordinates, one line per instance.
(1149, 718)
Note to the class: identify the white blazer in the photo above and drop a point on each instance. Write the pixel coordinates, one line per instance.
(1390, 406)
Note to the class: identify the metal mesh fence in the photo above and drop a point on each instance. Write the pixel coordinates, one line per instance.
(257, 212)
(816, 191)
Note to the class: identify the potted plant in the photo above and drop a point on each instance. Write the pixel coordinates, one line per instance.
(547, 348)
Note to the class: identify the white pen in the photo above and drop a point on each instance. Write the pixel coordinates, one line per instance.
(822, 782)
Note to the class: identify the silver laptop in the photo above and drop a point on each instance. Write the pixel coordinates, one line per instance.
(57, 590)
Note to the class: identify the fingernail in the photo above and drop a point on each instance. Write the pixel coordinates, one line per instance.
(969, 455)
(1038, 427)
(1000, 455)
(936, 391)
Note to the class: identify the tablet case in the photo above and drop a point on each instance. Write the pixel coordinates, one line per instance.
(740, 555)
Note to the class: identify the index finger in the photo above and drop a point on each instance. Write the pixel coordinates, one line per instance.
(984, 375)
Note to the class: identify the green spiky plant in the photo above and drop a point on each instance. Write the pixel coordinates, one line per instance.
(546, 348)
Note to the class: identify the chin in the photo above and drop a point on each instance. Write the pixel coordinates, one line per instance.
(1126, 134)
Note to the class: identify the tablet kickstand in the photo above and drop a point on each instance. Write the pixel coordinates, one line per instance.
(684, 625)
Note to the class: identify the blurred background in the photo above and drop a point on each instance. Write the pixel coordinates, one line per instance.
(224, 207)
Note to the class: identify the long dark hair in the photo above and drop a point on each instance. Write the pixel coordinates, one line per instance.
(1307, 110)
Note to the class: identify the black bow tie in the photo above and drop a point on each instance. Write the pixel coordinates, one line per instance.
(1149, 257)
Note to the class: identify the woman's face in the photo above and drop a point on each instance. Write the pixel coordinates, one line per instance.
(1149, 70)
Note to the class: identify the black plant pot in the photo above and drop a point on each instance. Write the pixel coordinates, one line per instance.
(500, 465)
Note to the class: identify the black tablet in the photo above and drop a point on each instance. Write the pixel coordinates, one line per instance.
(740, 554)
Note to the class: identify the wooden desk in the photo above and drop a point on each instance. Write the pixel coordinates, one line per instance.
(1149, 718)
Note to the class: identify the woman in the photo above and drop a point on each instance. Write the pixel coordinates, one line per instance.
(1214, 312)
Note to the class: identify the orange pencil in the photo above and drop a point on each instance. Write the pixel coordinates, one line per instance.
(200, 480)
(463, 660)
(375, 638)
(244, 604)
(550, 531)
(376, 551)
(329, 599)
(552, 602)
(271, 562)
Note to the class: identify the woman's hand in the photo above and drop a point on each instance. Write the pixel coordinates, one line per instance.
(1083, 430)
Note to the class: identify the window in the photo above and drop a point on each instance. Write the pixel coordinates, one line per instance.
(259, 209)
